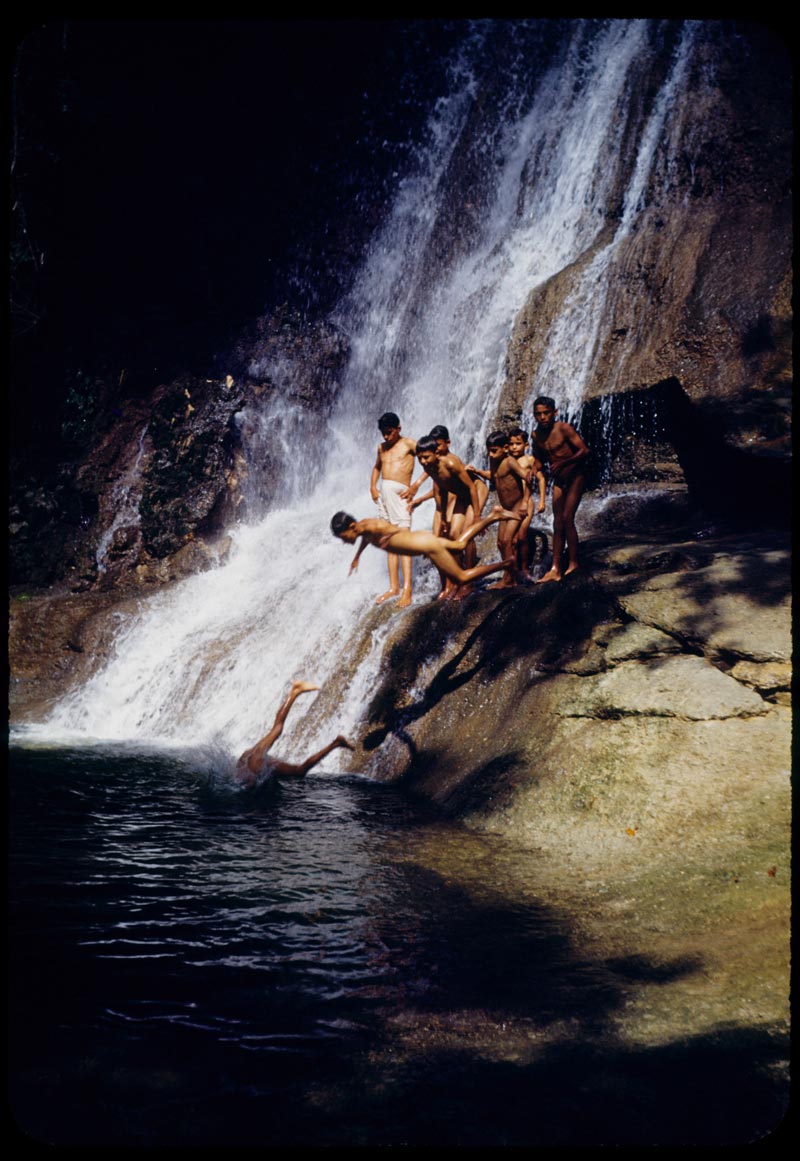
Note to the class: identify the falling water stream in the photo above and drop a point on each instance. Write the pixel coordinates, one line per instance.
(428, 322)
(196, 965)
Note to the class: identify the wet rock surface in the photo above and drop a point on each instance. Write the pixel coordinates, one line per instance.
(151, 476)
(636, 777)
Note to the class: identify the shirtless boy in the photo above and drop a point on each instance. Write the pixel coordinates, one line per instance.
(254, 763)
(442, 437)
(389, 482)
(438, 549)
(454, 491)
(511, 484)
(517, 443)
(562, 447)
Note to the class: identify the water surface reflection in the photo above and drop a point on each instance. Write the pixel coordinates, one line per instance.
(196, 966)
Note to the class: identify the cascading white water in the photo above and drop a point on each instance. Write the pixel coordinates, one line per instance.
(208, 661)
(572, 340)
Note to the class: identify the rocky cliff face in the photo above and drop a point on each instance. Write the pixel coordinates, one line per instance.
(698, 294)
(155, 481)
(151, 478)
(628, 734)
(670, 656)
(625, 735)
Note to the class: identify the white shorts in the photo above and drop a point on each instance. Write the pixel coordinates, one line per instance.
(390, 506)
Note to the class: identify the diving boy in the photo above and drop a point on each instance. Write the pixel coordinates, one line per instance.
(254, 765)
(390, 479)
(560, 445)
(438, 549)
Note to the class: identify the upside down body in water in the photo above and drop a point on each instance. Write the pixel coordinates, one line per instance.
(255, 763)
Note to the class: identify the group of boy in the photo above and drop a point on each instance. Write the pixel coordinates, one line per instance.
(460, 492)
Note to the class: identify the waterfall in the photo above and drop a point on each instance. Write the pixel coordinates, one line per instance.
(572, 341)
(548, 147)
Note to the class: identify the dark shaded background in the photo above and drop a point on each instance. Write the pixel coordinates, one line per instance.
(173, 179)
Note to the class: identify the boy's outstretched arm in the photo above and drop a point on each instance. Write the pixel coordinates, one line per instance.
(410, 492)
(361, 547)
(521, 475)
(479, 472)
(415, 503)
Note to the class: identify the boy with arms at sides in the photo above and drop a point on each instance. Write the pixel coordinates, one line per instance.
(517, 442)
(255, 766)
(560, 445)
(389, 483)
(438, 549)
(511, 484)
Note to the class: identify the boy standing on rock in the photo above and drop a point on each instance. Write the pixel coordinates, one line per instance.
(511, 484)
(517, 443)
(391, 477)
(560, 445)
(455, 494)
(441, 436)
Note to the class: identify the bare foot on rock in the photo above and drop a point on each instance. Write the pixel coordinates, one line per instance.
(387, 596)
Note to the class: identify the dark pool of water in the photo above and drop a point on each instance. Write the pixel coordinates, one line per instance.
(193, 967)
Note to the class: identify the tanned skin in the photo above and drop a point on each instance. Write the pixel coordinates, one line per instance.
(559, 445)
(457, 520)
(511, 484)
(517, 443)
(394, 461)
(456, 498)
(438, 549)
(251, 763)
